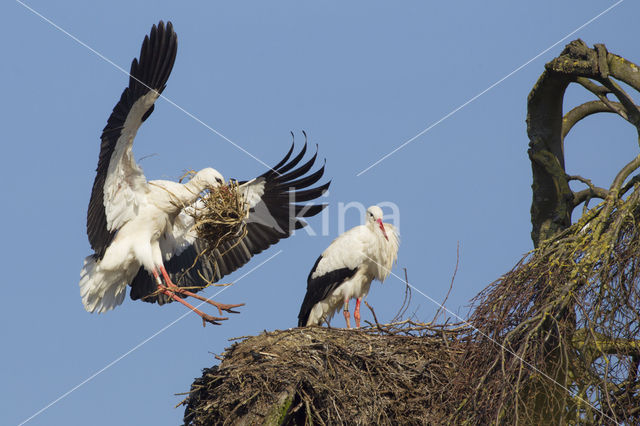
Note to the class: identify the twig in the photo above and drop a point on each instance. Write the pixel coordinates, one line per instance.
(455, 271)
(374, 315)
(407, 299)
(238, 338)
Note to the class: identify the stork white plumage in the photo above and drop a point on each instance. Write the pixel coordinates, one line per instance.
(140, 231)
(347, 267)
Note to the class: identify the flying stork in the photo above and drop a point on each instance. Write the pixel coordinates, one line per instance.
(141, 232)
(347, 267)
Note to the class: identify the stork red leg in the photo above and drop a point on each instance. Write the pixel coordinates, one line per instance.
(345, 311)
(356, 312)
(221, 306)
(205, 317)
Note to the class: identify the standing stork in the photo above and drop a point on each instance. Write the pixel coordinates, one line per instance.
(140, 230)
(347, 267)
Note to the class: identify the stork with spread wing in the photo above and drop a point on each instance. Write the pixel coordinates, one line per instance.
(140, 231)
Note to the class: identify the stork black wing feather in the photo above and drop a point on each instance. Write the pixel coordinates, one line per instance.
(313, 193)
(306, 181)
(319, 288)
(285, 159)
(288, 166)
(294, 174)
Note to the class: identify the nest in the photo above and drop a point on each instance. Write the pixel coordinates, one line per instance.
(379, 375)
(220, 217)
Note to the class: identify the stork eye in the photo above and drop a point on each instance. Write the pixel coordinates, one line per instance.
(219, 181)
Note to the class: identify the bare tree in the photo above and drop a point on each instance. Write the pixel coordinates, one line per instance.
(559, 337)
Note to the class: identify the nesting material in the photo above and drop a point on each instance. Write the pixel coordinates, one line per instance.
(220, 216)
(317, 375)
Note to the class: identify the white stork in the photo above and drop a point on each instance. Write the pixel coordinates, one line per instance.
(138, 229)
(347, 267)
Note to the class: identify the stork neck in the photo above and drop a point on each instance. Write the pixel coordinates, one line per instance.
(375, 228)
(194, 187)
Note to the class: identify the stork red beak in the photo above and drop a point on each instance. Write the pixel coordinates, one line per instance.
(384, 232)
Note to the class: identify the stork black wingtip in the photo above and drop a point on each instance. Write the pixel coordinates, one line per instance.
(303, 151)
(281, 162)
(312, 193)
(294, 174)
(153, 66)
(291, 164)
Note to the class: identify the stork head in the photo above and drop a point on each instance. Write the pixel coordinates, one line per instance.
(208, 178)
(374, 219)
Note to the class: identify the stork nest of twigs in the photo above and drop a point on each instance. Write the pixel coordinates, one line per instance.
(386, 374)
(219, 217)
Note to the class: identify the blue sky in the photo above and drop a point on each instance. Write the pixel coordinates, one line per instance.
(360, 78)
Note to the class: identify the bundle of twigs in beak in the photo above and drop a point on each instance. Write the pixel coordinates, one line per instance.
(219, 217)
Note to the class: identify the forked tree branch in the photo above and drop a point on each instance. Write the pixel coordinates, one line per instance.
(624, 174)
(553, 200)
(586, 194)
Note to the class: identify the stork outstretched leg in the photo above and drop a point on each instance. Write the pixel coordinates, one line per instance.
(205, 317)
(174, 288)
(345, 311)
(356, 312)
